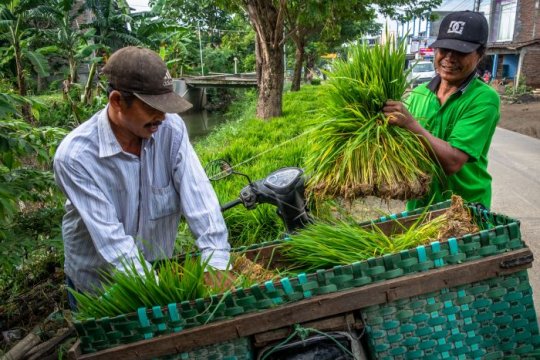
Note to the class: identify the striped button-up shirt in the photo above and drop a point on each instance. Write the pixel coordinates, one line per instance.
(119, 203)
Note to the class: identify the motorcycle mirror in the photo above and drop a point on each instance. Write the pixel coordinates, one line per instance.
(218, 169)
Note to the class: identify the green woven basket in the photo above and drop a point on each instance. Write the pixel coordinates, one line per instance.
(237, 349)
(490, 319)
(501, 236)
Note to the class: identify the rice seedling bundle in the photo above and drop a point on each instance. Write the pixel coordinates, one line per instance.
(125, 292)
(354, 152)
(324, 245)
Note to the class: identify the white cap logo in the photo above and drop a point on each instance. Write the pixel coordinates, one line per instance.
(456, 27)
(167, 79)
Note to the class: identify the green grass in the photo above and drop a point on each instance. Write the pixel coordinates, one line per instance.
(256, 148)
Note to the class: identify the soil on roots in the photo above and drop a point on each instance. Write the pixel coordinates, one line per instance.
(251, 270)
(458, 222)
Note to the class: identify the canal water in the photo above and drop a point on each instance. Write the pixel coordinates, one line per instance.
(200, 123)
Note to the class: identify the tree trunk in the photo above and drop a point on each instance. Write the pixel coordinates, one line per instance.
(298, 62)
(267, 20)
(21, 83)
(73, 69)
(87, 96)
(310, 65)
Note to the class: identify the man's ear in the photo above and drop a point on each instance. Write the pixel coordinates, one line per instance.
(116, 101)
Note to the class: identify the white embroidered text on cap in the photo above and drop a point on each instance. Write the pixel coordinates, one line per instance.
(456, 27)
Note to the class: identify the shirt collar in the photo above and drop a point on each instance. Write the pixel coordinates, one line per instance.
(108, 145)
(433, 85)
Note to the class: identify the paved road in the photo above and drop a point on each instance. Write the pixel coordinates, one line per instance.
(514, 163)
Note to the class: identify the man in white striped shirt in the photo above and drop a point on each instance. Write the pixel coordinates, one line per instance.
(129, 173)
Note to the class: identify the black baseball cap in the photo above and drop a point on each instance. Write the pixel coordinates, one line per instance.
(463, 31)
(141, 71)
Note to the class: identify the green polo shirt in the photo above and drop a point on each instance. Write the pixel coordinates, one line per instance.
(467, 121)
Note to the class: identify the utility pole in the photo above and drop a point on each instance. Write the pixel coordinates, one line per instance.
(200, 48)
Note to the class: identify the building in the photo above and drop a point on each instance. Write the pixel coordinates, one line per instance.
(513, 50)
(514, 44)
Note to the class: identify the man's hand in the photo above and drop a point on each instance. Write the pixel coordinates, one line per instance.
(219, 280)
(398, 114)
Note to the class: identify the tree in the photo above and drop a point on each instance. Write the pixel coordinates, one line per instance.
(16, 29)
(201, 14)
(303, 17)
(405, 10)
(241, 42)
(109, 20)
(267, 18)
(322, 19)
(158, 31)
(18, 140)
(69, 41)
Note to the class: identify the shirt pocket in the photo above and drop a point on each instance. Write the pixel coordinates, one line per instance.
(164, 202)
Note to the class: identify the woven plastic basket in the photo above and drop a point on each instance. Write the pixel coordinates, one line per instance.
(502, 235)
(490, 319)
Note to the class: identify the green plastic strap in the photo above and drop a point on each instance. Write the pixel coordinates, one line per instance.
(459, 344)
(393, 217)
(269, 285)
(438, 328)
(452, 243)
(421, 251)
(156, 310)
(513, 229)
(404, 213)
(436, 247)
(174, 316)
(144, 322)
(287, 287)
(302, 279)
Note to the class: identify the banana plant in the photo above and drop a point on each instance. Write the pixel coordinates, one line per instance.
(17, 31)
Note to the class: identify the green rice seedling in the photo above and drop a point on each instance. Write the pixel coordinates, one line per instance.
(125, 292)
(324, 245)
(354, 152)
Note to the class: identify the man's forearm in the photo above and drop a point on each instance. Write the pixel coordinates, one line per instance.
(450, 159)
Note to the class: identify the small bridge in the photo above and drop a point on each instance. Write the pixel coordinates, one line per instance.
(193, 88)
(222, 80)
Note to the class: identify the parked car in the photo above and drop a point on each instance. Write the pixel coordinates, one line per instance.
(421, 72)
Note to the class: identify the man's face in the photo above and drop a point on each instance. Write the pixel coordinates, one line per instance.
(453, 66)
(140, 119)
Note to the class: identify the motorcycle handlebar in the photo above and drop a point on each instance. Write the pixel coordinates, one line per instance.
(230, 204)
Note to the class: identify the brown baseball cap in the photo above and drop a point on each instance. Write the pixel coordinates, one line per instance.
(141, 71)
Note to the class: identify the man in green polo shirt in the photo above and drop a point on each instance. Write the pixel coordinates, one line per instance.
(456, 113)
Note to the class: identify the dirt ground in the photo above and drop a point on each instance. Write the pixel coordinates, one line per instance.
(522, 118)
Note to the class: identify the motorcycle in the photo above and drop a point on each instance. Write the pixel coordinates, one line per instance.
(283, 188)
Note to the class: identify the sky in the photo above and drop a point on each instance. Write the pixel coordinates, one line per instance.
(139, 5)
